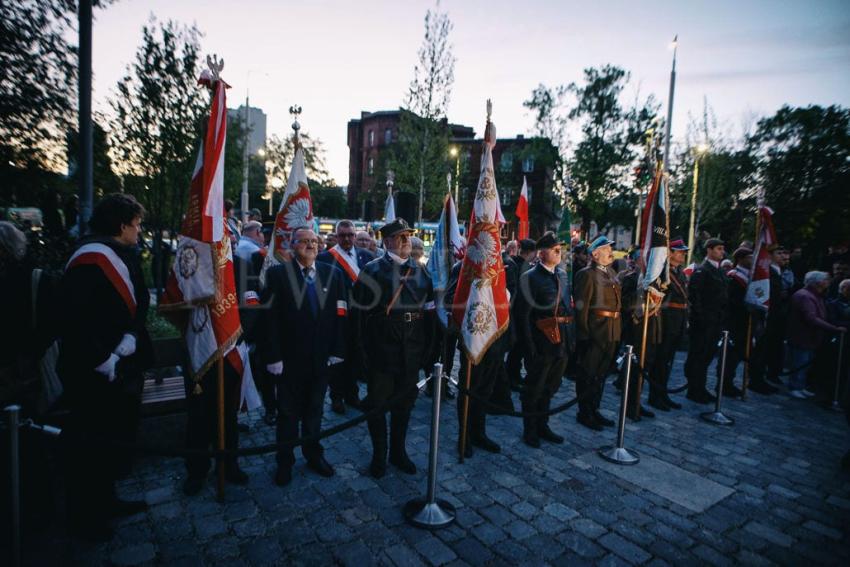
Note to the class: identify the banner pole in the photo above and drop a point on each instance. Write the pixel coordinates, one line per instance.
(748, 346)
(618, 453)
(465, 418)
(220, 459)
(717, 417)
(636, 401)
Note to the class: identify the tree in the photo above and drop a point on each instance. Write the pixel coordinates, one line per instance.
(420, 159)
(279, 154)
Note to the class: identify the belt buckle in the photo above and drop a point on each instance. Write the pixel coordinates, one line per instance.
(408, 317)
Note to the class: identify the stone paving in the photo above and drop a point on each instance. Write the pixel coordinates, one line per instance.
(789, 501)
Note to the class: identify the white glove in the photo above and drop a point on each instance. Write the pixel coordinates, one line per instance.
(127, 346)
(334, 360)
(107, 367)
(276, 368)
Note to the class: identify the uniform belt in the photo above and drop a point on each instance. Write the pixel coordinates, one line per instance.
(608, 314)
(407, 317)
(672, 305)
(566, 320)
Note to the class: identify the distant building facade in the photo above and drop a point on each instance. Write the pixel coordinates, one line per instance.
(256, 124)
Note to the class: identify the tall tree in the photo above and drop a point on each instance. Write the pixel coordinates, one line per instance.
(420, 158)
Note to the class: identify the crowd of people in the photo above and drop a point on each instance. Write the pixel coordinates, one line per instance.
(345, 308)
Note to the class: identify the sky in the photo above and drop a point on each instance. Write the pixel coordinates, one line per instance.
(337, 58)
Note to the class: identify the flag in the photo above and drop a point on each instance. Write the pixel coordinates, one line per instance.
(201, 290)
(389, 208)
(448, 246)
(758, 290)
(296, 211)
(481, 308)
(522, 211)
(655, 234)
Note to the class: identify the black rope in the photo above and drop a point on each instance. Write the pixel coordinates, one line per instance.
(500, 409)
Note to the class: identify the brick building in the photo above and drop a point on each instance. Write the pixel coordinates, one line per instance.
(370, 136)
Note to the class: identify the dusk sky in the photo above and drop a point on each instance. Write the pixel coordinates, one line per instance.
(336, 58)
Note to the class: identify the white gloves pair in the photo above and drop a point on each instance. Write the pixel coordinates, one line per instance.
(126, 347)
(276, 368)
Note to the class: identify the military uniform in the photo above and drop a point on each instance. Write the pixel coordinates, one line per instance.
(738, 320)
(674, 319)
(543, 294)
(707, 291)
(598, 305)
(633, 299)
(394, 311)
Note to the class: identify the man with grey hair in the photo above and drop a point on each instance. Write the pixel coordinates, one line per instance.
(252, 240)
(362, 239)
(417, 250)
(807, 329)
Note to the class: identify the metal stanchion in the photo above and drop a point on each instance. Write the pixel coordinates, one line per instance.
(619, 454)
(429, 512)
(13, 414)
(835, 405)
(716, 417)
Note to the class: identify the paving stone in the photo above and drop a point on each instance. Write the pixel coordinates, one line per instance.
(580, 545)
(134, 554)
(402, 556)
(472, 551)
(587, 527)
(769, 534)
(623, 548)
(821, 529)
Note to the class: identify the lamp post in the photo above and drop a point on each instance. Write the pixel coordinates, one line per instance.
(699, 151)
(453, 151)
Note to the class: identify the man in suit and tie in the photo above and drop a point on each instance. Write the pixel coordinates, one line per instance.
(350, 259)
(306, 327)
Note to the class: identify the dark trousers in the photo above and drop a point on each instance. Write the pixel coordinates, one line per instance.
(265, 381)
(202, 418)
(735, 354)
(513, 365)
(98, 415)
(594, 362)
(672, 329)
(542, 383)
(301, 402)
(768, 357)
(482, 382)
(343, 381)
(701, 351)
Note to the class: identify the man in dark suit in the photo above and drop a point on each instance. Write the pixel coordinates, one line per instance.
(306, 328)
(395, 317)
(543, 302)
(598, 306)
(709, 305)
(350, 259)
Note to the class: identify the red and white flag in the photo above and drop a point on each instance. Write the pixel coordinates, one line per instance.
(758, 290)
(481, 308)
(522, 211)
(201, 289)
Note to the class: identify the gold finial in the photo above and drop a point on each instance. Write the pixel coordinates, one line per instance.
(489, 109)
(215, 64)
(295, 111)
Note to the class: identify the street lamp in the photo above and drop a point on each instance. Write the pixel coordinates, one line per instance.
(699, 152)
(453, 151)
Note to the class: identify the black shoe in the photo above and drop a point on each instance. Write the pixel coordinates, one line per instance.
(589, 421)
(321, 466)
(486, 443)
(235, 475)
(774, 380)
(646, 413)
(548, 435)
(701, 397)
(602, 420)
(193, 485)
(283, 476)
(402, 462)
(660, 405)
(532, 440)
(123, 508)
(762, 387)
(672, 404)
(270, 417)
(92, 533)
(732, 391)
(378, 467)
(337, 406)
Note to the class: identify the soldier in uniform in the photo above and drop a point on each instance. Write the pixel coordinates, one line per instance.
(707, 292)
(738, 318)
(350, 259)
(674, 318)
(395, 317)
(545, 328)
(598, 304)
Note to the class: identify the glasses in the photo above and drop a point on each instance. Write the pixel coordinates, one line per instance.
(308, 242)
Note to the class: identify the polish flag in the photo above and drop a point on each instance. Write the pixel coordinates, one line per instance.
(522, 211)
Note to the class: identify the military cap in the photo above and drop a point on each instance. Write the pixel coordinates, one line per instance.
(741, 252)
(712, 242)
(548, 240)
(600, 241)
(678, 244)
(395, 227)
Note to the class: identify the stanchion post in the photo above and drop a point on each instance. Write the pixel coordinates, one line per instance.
(835, 404)
(619, 454)
(717, 416)
(430, 512)
(13, 416)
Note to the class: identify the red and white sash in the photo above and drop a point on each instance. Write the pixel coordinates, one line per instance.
(346, 262)
(112, 266)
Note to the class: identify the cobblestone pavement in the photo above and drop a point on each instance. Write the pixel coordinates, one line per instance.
(788, 503)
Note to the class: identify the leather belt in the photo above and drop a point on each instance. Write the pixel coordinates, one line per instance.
(406, 317)
(564, 320)
(608, 314)
(672, 305)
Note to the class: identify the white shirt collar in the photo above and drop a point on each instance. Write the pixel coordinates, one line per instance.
(302, 267)
(351, 253)
(713, 263)
(547, 268)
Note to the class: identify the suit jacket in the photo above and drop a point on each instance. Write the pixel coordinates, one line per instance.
(707, 291)
(536, 299)
(596, 287)
(738, 318)
(363, 257)
(304, 341)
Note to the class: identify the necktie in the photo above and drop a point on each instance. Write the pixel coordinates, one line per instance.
(312, 297)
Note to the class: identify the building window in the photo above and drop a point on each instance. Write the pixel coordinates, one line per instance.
(370, 168)
(371, 138)
(506, 161)
(528, 164)
(388, 136)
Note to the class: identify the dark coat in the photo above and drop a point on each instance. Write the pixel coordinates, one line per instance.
(304, 342)
(739, 314)
(536, 299)
(94, 318)
(597, 288)
(677, 292)
(633, 300)
(388, 344)
(707, 291)
(363, 257)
